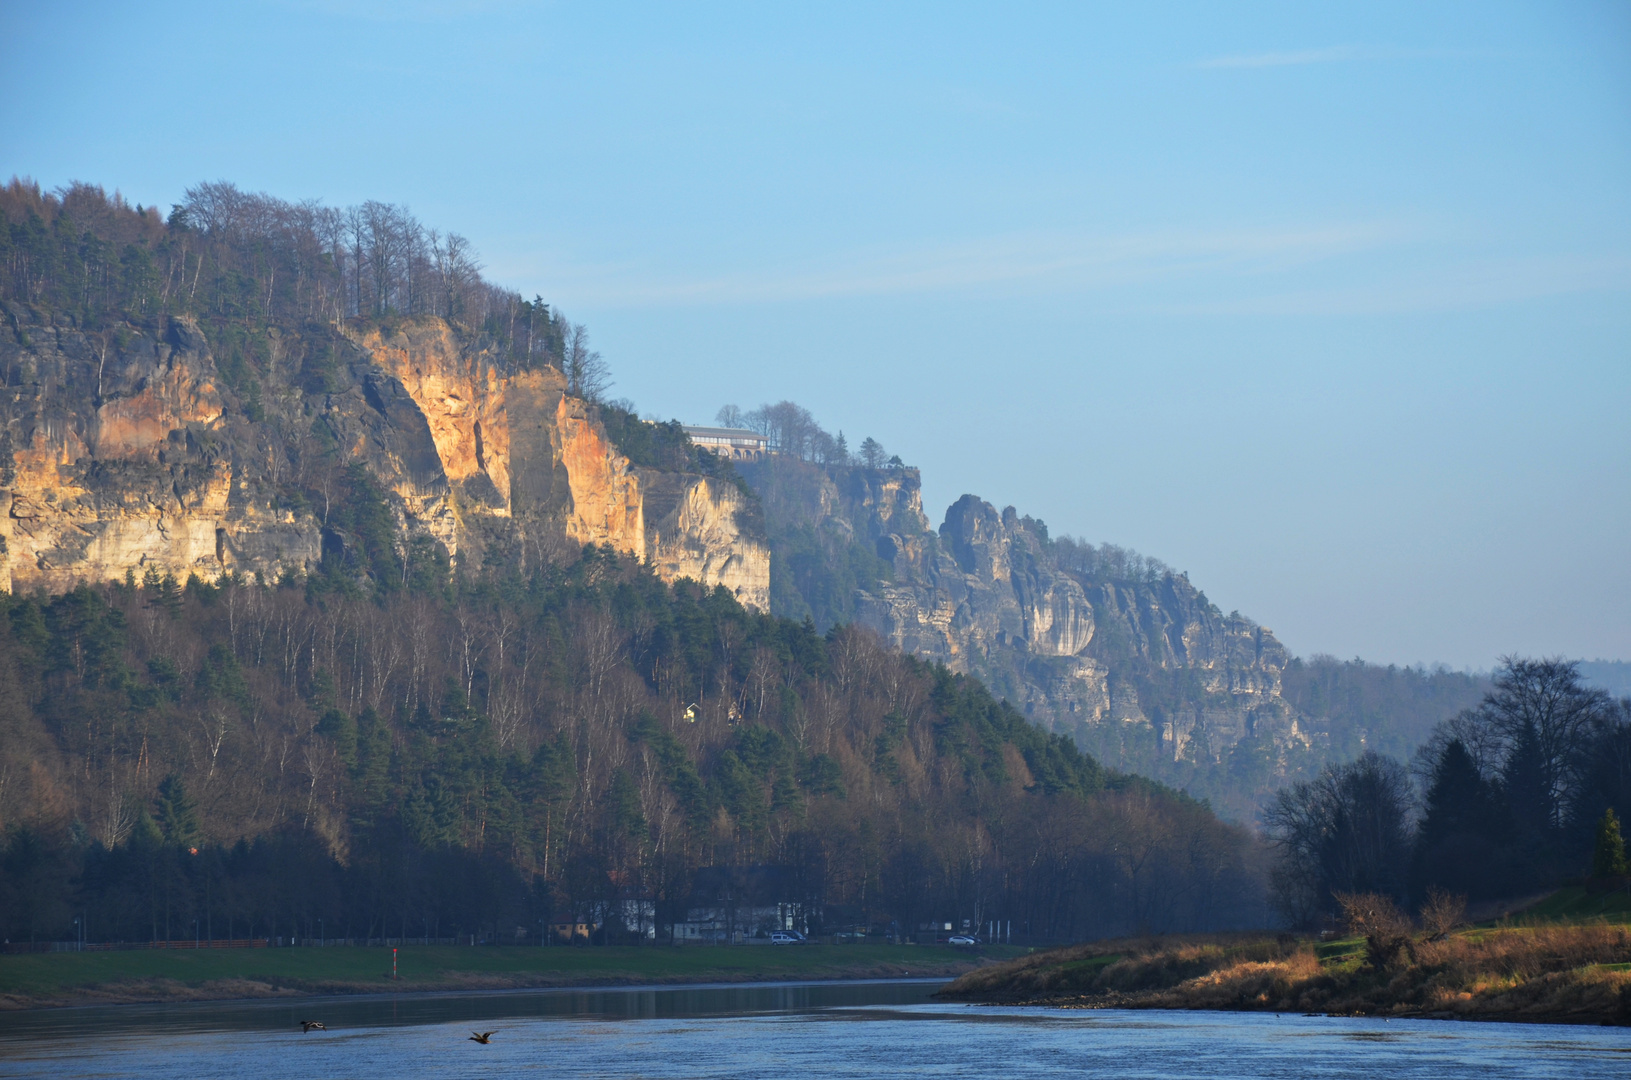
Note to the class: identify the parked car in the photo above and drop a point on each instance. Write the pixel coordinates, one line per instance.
(962, 939)
(786, 937)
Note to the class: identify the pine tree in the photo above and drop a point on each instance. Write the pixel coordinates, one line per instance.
(1527, 793)
(1457, 843)
(176, 813)
(1608, 860)
(1533, 842)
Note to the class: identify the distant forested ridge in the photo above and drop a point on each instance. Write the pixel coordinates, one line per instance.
(1611, 676)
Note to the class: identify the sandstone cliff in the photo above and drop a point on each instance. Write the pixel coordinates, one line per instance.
(129, 449)
(985, 595)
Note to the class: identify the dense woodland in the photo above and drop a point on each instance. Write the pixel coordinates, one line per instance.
(472, 757)
(1509, 797)
(240, 262)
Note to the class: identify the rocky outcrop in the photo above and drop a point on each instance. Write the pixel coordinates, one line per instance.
(984, 595)
(698, 528)
(115, 456)
(127, 450)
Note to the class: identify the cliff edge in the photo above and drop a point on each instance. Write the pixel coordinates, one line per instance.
(150, 447)
(986, 594)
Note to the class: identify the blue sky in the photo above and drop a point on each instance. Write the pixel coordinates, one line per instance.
(1329, 305)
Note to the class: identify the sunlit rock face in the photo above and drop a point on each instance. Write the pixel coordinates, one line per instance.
(698, 528)
(116, 456)
(984, 595)
(125, 451)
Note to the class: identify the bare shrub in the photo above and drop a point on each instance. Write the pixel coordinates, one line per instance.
(1386, 929)
(1443, 912)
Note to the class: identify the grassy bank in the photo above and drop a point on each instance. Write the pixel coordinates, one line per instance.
(1541, 970)
(38, 979)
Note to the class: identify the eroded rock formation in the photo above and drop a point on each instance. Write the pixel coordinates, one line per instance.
(124, 450)
(984, 595)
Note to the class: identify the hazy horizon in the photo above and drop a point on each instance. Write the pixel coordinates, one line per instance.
(1327, 308)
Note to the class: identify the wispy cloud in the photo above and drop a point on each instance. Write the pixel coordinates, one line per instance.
(1050, 262)
(1336, 269)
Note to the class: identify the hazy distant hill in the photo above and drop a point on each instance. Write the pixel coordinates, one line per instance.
(1613, 676)
(1116, 650)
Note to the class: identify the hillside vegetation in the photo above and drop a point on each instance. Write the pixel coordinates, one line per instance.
(474, 756)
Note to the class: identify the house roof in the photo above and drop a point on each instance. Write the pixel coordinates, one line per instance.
(742, 434)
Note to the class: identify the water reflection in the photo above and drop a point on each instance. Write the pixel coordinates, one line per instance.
(388, 1010)
(888, 1030)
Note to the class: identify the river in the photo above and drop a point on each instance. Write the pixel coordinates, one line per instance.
(884, 1030)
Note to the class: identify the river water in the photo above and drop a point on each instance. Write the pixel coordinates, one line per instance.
(887, 1030)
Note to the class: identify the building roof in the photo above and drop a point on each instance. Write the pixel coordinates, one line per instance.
(742, 434)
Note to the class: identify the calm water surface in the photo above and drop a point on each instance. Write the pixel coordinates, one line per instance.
(870, 1031)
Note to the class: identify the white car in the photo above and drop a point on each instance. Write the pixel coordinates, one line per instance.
(785, 937)
(962, 939)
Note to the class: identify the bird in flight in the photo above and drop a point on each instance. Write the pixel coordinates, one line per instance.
(312, 1025)
(483, 1037)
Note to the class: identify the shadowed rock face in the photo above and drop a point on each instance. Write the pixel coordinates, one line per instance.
(121, 451)
(985, 596)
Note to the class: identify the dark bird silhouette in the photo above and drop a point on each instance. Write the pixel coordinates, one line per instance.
(312, 1025)
(483, 1037)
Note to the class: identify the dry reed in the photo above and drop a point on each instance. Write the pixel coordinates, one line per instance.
(1566, 973)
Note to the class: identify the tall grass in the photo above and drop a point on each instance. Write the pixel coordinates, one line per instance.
(1558, 972)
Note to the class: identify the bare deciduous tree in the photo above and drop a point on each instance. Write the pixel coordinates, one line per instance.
(587, 375)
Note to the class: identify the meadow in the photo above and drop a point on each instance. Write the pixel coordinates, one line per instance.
(40, 979)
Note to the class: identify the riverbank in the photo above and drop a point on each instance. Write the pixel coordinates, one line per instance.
(43, 980)
(1545, 972)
